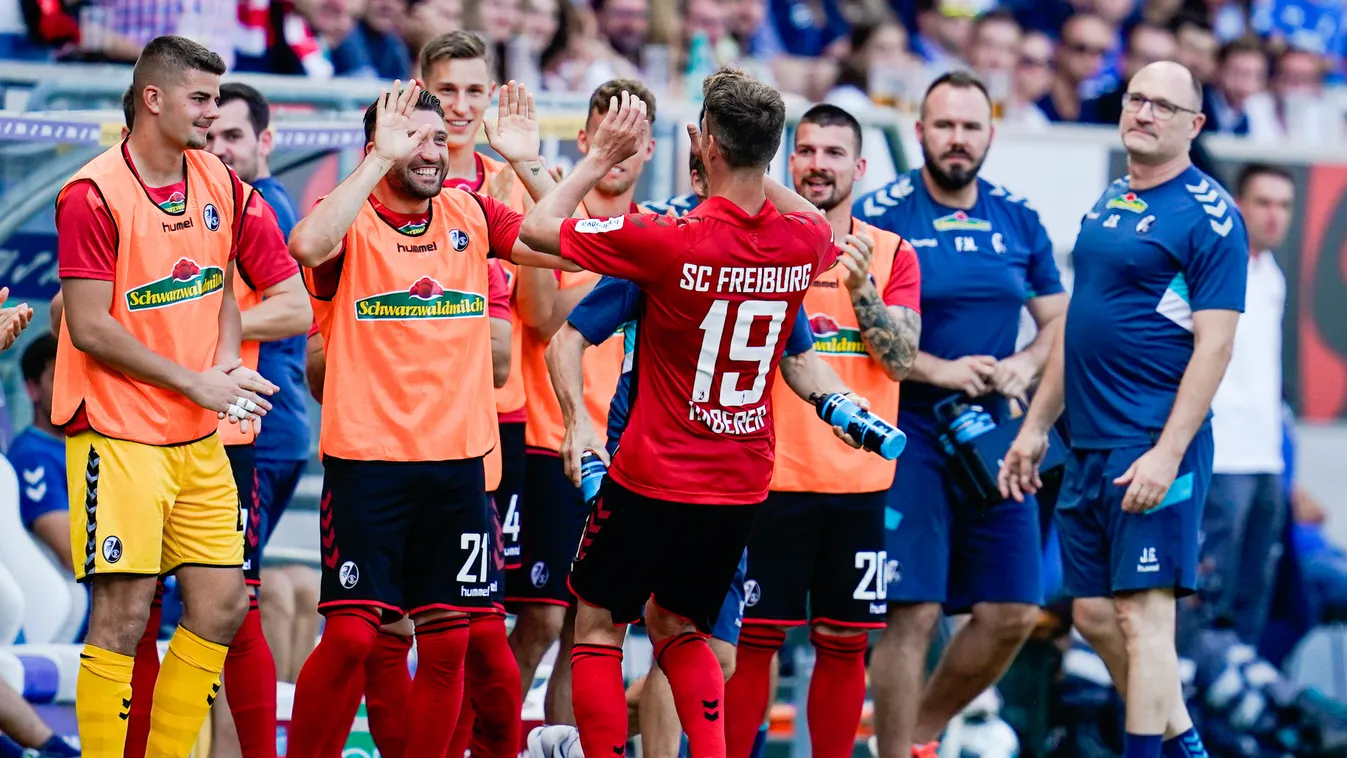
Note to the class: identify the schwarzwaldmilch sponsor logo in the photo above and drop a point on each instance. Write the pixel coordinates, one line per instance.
(425, 299)
(186, 282)
(830, 338)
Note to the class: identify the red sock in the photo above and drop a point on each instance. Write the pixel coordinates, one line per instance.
(836, 693)
(463, 728)
(324, 708)
(600, 700)
(437, 690)
(698, 691)
(387, 684)
(493, 682)
(250, 675)
(142, 682)
(747, 693)
(348, 702)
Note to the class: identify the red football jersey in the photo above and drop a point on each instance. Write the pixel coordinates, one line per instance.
(722, 289)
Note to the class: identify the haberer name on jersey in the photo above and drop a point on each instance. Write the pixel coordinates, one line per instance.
(747, 280)
(729, 422)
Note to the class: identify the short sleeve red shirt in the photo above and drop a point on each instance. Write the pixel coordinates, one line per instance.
(722, 289)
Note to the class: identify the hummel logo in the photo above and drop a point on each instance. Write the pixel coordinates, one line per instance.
(713, 710)
(710, 703)
(214, 692)
(619, 750)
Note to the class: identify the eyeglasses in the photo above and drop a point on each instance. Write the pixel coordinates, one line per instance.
(1164, 110)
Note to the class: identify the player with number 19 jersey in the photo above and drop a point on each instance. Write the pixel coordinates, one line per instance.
(722, 291)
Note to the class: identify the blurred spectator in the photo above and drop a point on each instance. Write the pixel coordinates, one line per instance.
(1086, 39)
(1313, 25)
(757, 37)
(1198, 49)
(877, 49)
(496, 22)
(1033, 80)
(1303, 114)
(315, 38)
(541, 23)
(579, 62)
(944, 28)
(1229, 18)
(810, 28)
(624, 25)
(1146, 44)
(1245, 511)
(118, 29)
(380, 33)
(1238, 102)
(38, 455)
(428, 19)
(994, 49)
(1159, 12)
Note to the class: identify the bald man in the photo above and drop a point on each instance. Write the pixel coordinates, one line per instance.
(1160, 275)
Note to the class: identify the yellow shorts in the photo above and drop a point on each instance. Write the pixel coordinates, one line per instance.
(144, 509)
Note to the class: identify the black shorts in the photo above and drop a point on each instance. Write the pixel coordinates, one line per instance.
(818, 557)
(683, 555)
(243, 461)
(552, 515)
(405, 537)
(507, 494)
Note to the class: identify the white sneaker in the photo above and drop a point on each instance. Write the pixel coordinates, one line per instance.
(555, 741)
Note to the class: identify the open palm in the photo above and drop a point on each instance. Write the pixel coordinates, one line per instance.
(396, 136)
(515, 134)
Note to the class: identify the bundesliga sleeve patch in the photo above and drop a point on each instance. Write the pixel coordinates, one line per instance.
(600, 225)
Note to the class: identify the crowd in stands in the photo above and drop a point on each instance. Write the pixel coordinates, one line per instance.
(1265, 62)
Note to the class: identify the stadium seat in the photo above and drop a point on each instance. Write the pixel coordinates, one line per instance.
(56, 605)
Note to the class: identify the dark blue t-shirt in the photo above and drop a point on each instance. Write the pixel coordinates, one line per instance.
(39, 460)
(615, 305)
(978, 269)
(285, 432)
(1144, 262)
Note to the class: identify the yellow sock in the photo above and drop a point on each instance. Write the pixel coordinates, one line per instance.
(103, 701)
(189, 680)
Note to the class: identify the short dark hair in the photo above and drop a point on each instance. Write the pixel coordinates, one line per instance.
(745, 116)
(997, 16)
(602, 97)
(129, 107)
(1252, 171)
(1242, 45)
(453, 46)
(39, 354)
(825, 114)
(171, 55)
(259, 110)
(957, 80)
(424, 102)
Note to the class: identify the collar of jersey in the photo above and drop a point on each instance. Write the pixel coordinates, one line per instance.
(721, 208)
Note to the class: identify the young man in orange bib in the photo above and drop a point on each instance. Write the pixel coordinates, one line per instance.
(406, 524)
(816, 554)
(147, 367)
(552, 513)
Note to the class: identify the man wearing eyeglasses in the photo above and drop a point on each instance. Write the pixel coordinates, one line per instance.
(1160, 267)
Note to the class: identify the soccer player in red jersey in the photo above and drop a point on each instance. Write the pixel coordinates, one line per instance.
(722, 286)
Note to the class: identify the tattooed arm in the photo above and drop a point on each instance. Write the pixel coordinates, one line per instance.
(891, 332)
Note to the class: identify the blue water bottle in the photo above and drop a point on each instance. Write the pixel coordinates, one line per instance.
(874, 433)
(591, 475)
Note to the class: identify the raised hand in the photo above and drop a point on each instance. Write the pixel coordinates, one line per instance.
(624, 131)
(13, 320)
(515, 134)
(857, 253)
(396, 136)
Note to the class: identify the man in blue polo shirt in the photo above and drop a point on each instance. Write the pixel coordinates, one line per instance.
(38, 455)
(984, 257)
(1160, 262)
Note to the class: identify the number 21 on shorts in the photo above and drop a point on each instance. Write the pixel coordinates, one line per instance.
(713, 333)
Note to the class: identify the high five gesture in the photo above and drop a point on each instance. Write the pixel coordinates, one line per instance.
(396, 135)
